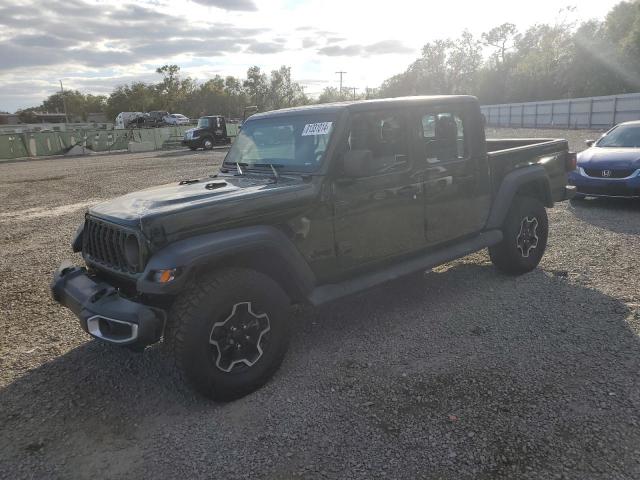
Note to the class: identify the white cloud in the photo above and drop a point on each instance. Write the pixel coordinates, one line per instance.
(95, 44)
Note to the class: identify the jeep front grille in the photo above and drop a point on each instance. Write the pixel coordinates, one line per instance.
(104, 243)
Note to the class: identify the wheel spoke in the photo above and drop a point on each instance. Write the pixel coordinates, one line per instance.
(527, 238)
(238, 338)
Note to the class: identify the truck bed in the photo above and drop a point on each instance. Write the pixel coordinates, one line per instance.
(505, 155)
(496, 145)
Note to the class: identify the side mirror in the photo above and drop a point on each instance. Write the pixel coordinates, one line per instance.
(356, 163)
(590, 143)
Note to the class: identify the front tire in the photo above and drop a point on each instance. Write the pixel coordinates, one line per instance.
(525, 232)
(228, 333)
(207, 144)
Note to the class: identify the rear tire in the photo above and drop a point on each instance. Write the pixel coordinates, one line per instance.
(525, 232)
(228, 333)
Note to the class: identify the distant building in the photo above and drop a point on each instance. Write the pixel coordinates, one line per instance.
(9, 119)
(97, 118)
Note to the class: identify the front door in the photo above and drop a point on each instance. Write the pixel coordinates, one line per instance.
(380, 214)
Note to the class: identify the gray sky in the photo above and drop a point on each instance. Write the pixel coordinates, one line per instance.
(93, 46)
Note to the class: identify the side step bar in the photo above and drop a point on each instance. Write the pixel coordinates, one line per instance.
(329, 292)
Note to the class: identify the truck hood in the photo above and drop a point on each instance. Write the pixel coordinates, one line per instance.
(596, 157)
(198, 206)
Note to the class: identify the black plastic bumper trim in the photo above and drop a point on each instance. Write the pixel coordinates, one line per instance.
(88, 298)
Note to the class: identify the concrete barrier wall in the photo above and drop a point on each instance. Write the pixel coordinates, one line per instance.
(590, 113)
(39, 144)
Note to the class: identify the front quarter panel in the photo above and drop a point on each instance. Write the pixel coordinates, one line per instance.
(257, 245)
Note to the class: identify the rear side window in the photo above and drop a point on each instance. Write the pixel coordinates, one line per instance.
(443, 137)
(384, 133)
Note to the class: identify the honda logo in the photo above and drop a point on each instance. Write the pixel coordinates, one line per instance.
(606, 173)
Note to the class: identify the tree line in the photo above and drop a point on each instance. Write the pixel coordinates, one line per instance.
(547, 61)
(502, 65)
(179, 94)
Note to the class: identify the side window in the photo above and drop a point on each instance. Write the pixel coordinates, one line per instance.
(443, 136)
(384, 134)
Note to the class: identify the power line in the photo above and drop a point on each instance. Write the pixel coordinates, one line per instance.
(64, 104)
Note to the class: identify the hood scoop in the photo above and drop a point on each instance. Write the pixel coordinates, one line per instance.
(215, 185)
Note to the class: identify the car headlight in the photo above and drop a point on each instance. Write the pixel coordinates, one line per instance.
(132, 251)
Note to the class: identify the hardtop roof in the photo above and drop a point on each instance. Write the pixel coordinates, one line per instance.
(364, 105)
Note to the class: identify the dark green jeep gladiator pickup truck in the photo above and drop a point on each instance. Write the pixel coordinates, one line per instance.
(310, 204)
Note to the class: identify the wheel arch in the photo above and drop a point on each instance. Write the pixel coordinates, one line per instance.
(264, 249)
(267, 261)
(531, 181)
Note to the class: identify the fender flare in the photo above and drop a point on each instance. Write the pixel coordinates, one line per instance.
(263, 248)
(534, 176)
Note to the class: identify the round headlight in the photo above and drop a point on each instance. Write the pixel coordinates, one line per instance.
(132, 251)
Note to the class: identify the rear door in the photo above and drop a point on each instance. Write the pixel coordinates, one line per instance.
(449, 168)
(381, 214)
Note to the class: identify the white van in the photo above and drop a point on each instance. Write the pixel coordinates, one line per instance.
(124, 118)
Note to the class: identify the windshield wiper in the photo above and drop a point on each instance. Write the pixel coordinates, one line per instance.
(242, 168)
(272, 166)
(275, 172)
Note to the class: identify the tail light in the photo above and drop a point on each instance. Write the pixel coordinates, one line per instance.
(571, 161)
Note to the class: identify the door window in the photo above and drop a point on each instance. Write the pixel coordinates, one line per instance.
(443, 137)
(384, 134)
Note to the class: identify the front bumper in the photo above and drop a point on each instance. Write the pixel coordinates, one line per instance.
(103, 312)
(628, 187)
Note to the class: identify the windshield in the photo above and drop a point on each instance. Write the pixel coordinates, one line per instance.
(294, 143)
(624, 136)
(203, 123)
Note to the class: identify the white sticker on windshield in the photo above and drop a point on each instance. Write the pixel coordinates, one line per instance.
(316, 128)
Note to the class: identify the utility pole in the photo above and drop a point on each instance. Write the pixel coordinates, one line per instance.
(340, 73)
(64, 103)
(354, 93)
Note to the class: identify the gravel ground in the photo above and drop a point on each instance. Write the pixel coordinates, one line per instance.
(460, 373)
